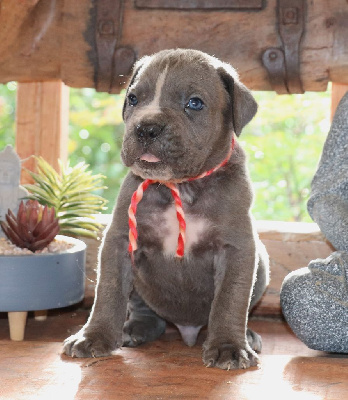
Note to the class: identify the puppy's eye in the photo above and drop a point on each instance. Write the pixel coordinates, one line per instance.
(195, 103)
(132, 100)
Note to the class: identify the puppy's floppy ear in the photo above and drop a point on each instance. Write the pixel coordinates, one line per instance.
(244, 106)
(136, 69)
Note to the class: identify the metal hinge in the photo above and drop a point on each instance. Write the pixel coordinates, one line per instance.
(283, 64)
(114, 61)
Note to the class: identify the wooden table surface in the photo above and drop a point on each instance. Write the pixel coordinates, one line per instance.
(165, 369)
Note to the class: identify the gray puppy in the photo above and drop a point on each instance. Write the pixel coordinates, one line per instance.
(181, 112)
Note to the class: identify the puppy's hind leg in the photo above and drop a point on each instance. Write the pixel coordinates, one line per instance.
(143, 324)
(254, 340)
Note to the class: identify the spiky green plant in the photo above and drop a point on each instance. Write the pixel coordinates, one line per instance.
(70, 194)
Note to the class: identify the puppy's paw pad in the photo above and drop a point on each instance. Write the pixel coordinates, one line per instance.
(229, 357)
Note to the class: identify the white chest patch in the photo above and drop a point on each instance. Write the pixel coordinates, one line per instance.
(195, 228)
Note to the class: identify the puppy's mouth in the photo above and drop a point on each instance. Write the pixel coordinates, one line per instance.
(149, 166)
(149, 158)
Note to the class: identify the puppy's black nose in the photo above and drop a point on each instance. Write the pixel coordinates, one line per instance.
(148, 132)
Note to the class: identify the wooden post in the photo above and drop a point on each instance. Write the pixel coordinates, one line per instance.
(42, 123)
(338, 91)
(42, 129)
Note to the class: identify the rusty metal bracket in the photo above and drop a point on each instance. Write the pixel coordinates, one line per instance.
(114, 62)
(283, 64)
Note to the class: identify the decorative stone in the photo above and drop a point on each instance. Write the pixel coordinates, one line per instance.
(328, 203)
(11, 192)
(314, 301)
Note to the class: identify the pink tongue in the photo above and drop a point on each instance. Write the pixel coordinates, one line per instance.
(149, 158)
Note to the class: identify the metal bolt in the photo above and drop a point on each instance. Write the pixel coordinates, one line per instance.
(290, 15)
(106, 27)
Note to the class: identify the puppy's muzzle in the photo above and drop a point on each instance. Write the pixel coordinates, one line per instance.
(147, 133)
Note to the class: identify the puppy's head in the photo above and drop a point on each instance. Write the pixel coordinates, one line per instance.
(180, 111)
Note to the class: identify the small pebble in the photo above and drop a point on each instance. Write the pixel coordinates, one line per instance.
(56, 246)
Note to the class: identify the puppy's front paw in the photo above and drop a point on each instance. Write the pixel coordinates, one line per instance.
(87, 345)
(228, 356)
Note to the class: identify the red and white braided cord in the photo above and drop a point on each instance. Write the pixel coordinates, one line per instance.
(181, 218)
(138, 195)
(132, 222)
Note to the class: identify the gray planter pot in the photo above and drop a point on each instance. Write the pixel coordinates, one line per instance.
(43, 281)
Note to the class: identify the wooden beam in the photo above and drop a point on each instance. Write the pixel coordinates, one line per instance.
(42, 123)
(47, 39)
(338, 91)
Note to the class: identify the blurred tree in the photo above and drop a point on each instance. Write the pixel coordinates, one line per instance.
(7, 113)
(95, 136)
(283, 142)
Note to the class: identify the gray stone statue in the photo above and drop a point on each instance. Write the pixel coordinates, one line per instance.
(11, 192)
(315, 299)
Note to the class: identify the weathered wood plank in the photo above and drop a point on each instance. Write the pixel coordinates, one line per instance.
(54, 39)
(204, 4)
(30, 51)
(42, 122)
(78, 59)
(338, 91)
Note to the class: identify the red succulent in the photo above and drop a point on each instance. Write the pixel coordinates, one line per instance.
(34, 227)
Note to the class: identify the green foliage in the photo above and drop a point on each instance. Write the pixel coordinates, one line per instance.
(283, 143)
(7, 113)
(95, 137)
(70, 194)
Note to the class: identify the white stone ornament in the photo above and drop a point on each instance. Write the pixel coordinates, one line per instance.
(11, 192)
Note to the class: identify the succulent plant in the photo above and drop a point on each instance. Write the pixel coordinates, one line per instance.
(70, 193)
(34, 227)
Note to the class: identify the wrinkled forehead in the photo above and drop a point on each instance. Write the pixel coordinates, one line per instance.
(181, 74)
